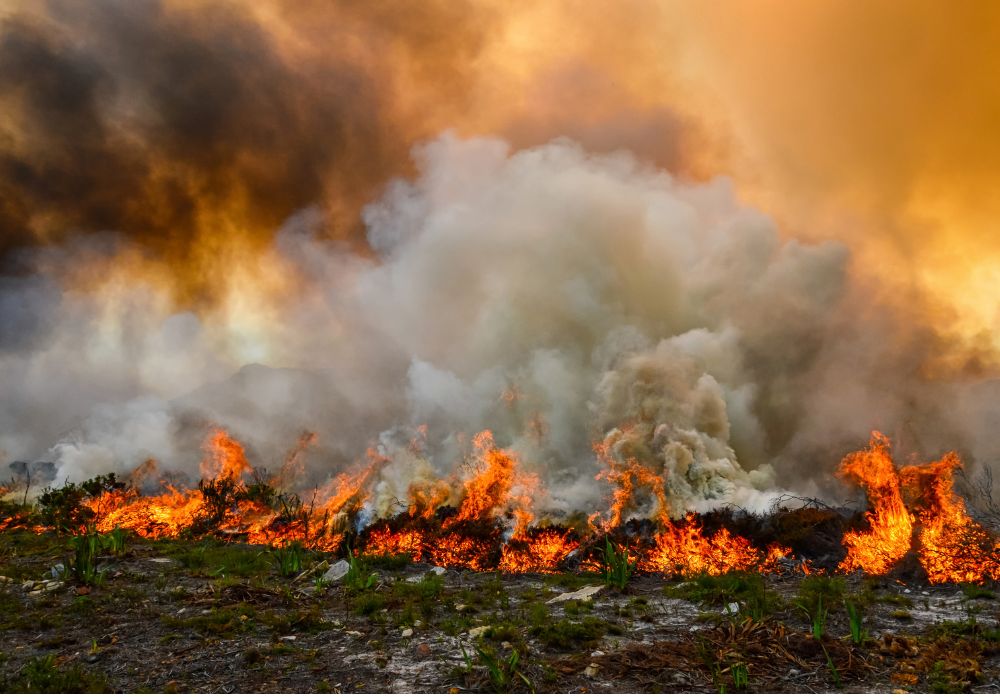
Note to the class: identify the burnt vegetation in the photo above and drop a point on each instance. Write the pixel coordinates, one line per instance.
(208, 612)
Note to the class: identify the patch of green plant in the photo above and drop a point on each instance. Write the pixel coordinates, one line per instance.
(817, 615)
(748, 590)
(741, 676)
(575, 580)
(855, 620)
(224, 621)
(359, 577)
(213, 558)
(503, 632)
(578, 607)
(503, 673)
(813, 589)
(901, 614)
(571, 634)
(897, 599)
(299, 620)
(369, 604)
(288, 559)
(834, 672)
(617, 565)
(81, 566)
(425, 595)
(972, 591)
(44, 675)
(970, 627)
(538, 614)
(940, 681)
(114, 542)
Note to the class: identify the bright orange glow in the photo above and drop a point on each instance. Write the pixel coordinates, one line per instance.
(950, 545)
(541, 553)
(684, 550)
(877, 550)
(913, 508)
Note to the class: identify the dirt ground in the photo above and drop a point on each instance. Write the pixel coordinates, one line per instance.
(218, 617)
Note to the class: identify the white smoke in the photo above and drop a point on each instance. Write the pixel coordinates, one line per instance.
(548, 295)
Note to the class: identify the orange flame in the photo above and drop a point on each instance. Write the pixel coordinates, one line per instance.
(495, 484)
(951, 546)
(889, 539)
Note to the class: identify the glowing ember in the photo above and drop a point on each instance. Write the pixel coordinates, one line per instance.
(384, 542)
(541, 553)
(685, 550)
(459, 551)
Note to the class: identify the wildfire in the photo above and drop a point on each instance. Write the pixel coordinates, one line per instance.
(950, 545)
(541, 553)
(685, 550)
(877, 550)
(484, 519)
(496, 484)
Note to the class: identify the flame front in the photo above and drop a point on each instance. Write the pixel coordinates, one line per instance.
(950, 545)
(483, 518)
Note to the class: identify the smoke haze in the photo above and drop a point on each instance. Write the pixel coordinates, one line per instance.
(568, 224)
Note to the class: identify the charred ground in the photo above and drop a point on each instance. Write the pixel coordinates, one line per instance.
(212, 616)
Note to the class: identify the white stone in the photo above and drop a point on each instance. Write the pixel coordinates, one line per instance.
(585, 593)
(591, 670)
(439, 570)
(478, 631)
(407, 633)
(337, 571)
(731, 608)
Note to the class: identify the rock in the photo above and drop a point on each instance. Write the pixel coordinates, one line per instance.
(907, 590)
(597, 653)
(423, 650)
(289, 638)
(478, 631)
(337, 571)
(4, 580)
(460, 607)
(53, 585)
(161, 560)
(731, 608)
(439, 570)
(585, 593)
(406, 633)
(38, 592)
(591, 670)
(57, 571)
(28, 585)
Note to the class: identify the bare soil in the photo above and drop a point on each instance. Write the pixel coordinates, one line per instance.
(216, 617)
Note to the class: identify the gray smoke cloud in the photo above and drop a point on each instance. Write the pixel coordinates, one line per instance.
(557, 298)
